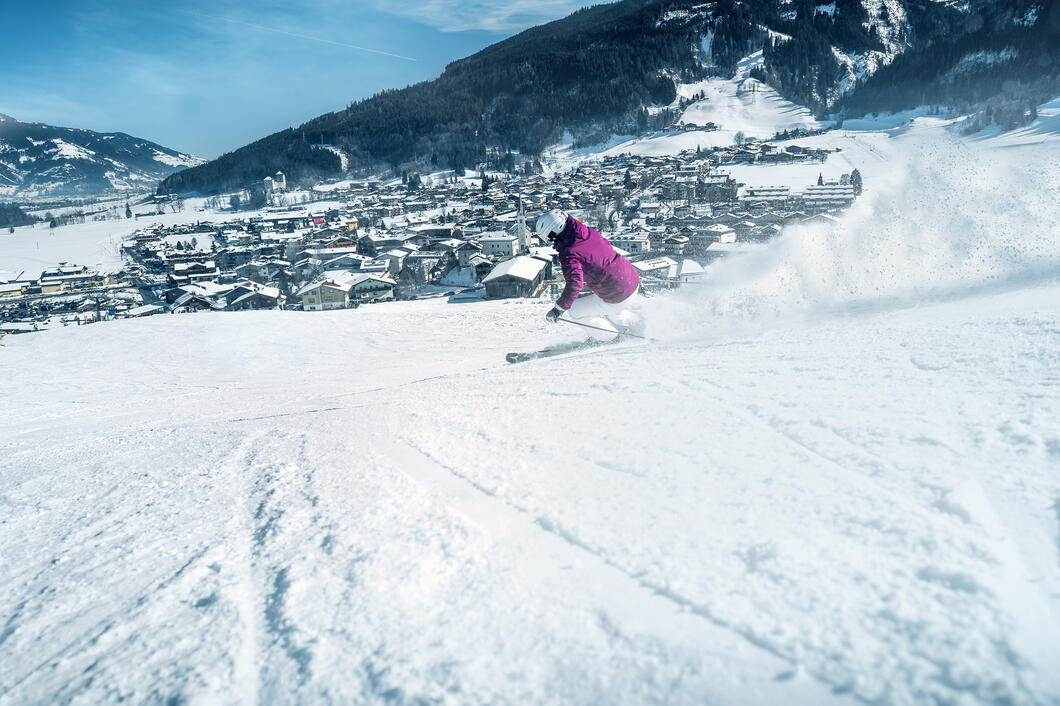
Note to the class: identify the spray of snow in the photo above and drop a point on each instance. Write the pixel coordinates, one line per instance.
(937, 228)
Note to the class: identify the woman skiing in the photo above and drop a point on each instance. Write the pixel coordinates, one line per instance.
(588, 259)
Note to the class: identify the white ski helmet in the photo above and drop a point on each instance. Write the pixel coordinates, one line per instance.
(550, 222)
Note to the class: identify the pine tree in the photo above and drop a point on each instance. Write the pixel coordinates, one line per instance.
(820, 179)
(128, 211)
(855, 181)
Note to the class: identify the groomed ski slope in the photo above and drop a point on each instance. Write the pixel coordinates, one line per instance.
(832, 481)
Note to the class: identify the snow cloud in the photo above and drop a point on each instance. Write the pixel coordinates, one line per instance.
(459, 16)
(938, 227)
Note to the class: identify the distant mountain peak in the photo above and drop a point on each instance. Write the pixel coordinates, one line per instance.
(39, 161)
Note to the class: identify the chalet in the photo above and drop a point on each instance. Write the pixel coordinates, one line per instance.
(262, 270)
(366, 288)
(518, 277)
(190, 302)
(251, 295)
(349, 261)
(184, 272)
(203, 290)
(232, 257)
(375, 243)
(323, 295)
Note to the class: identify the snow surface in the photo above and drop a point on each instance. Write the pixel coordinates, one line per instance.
(740, 104)
(31, 249)
(832, 479)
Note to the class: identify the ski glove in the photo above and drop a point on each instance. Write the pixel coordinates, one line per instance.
(554, 314)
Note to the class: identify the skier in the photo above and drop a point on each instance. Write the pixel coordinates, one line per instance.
(588, 259)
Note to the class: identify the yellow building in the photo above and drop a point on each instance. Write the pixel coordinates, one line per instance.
(323, 295)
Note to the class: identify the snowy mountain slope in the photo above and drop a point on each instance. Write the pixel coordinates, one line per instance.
(740, 104)
(616, 68)
(833, 480)
(42, 161)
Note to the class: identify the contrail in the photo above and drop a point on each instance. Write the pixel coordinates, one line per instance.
(302, 36)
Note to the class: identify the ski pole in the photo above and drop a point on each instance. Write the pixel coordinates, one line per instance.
(599, 328)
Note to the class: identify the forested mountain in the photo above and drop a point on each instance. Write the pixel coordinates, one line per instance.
(43, 161)
(613, 69)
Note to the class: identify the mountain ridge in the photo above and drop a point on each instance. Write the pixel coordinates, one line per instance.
(38, 160)
(614, 69)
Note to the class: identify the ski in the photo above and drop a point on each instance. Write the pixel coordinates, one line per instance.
(559, 349)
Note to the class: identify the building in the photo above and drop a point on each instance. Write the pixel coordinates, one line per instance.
(633, 243)
(676, 245)
(498, 244)
(518, 277)
(772, 196)
(370, 288)
(323, 295)
(657, 267)
(820, 197)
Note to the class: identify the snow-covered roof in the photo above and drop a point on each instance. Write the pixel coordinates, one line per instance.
(496, 236)
(655, 263)
(521, 267)
(329, 283)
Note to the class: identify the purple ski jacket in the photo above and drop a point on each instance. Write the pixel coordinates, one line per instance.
(587, 258)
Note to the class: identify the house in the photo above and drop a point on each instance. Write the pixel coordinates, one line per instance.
(518, 277)
(349, 261)
(184, 272)
(251, 295)
(323, 295)
(498, 244)
(205, 290)
(717, 233)
(190, 302)
(262, 270)
(633, 243)
(145, 310)
(676, 245)
(370, 288)
(657, 267)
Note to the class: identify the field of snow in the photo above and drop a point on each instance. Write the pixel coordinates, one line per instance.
(31, 249)
(832, 479)
(737, 105)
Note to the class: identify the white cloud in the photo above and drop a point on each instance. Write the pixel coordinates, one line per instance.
(460, 15)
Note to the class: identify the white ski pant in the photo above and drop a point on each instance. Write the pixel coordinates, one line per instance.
(621, 316)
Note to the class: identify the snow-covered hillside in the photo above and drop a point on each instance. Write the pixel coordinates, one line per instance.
(832, 479)
(41, 161)
(740, 104)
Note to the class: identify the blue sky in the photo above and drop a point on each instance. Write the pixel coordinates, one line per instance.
(207, 77)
